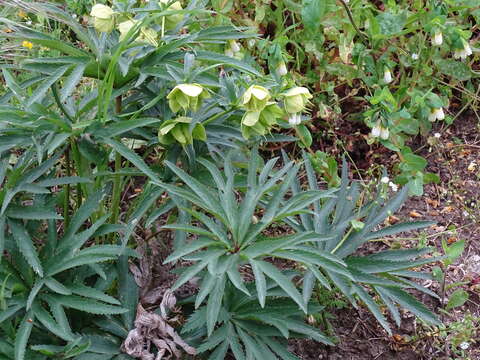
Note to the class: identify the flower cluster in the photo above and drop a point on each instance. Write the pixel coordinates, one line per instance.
(104, 20)
(262, 113)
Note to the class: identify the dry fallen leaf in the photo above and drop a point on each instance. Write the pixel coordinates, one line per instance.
(415, 214)
(152, 328)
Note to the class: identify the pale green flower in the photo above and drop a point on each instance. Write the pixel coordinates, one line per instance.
(187, 97)
(178, 130)
(255, 98)
(103, 18)
(260, 122)
(171, 21)
(296, 99)
(146, 35)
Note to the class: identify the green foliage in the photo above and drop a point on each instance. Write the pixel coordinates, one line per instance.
(166, 99)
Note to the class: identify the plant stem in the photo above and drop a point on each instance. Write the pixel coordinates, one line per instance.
(66, 200)
(216, 116)
(118, 178)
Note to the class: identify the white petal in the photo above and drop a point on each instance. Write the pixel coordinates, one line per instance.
(387, 76)
(384, 133)
(376, 130)
(440, 114)
(101, 11)
(385, 179)
(192, 90)
(259, 92)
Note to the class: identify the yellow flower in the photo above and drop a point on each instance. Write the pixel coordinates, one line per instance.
(27, 44)
(22, 14)
(103, 18)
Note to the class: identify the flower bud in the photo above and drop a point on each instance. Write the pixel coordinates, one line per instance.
(255, 98)
(414, 56)
(178, 130)
(384, 180)
(376, 130)
(251, 43)
(103, 18)
(281, 69)
(440, 114)
(229, 52)
(387, 76)
(294, 119)
(296, 99)
(187, 97)
(234, 46)
(171, 21)
(436, 114)
(437, 38)
(384, 133)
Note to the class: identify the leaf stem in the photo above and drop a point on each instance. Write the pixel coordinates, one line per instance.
(118, 178)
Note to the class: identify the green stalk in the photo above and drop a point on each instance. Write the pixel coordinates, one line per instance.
(66, 200)
(118, 178)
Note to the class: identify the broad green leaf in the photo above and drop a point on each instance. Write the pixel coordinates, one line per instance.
(457, 299)
(312, 13)
(454, 68)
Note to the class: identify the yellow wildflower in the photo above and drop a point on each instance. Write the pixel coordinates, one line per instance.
(27, 44)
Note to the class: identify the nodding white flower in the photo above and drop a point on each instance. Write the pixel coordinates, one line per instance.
(376, 130)
(440, 114)
(251, 43)
(437, 38)
(281, 69)
(432, 116)
(466, 48)
(437, 135)
(393, 186)
(414, 56)
(229, 52)
(234, 46)
(387, 76)
(464, 345)
(294, 119)
(385, 180)
(384, 133)
(463, 53)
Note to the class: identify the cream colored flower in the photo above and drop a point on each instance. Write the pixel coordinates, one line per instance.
(146, 35)
(281, 69)
(103, 18)
(387, 76)
(437, 38)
